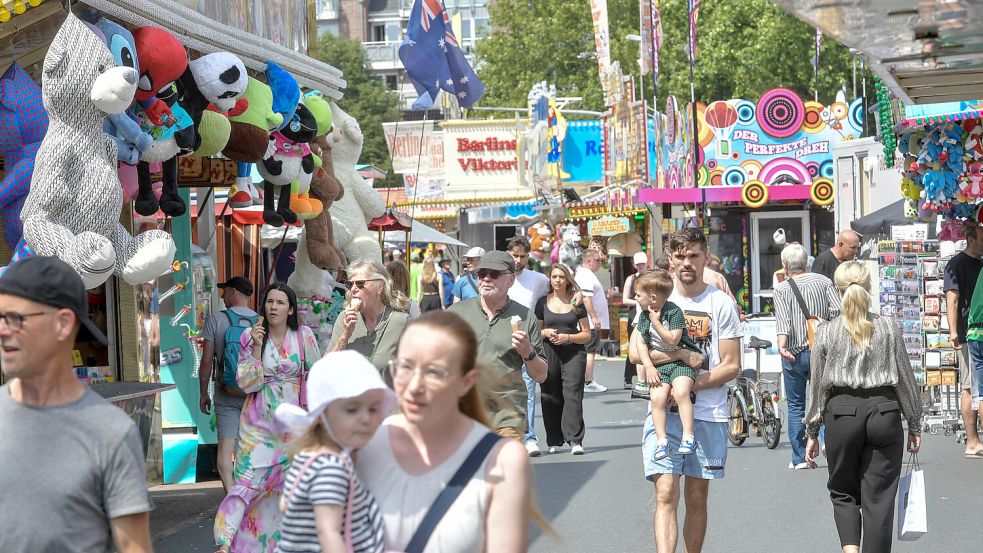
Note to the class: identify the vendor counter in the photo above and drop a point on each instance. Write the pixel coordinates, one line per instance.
(138, 400)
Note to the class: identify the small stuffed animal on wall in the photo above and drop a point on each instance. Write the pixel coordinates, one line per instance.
(23, 122)
(73, 208)
(540, 240)
(570, 249)
(361, 203)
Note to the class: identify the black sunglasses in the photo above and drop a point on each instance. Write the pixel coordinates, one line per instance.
(361, 283)
(482, 273)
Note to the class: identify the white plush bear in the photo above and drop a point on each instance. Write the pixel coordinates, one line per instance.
(308, 280)
(570, 249)
(73, 208)
(361, 203)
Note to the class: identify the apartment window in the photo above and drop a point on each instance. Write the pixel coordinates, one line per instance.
(392, 82)
(378, 33)
(394, 32)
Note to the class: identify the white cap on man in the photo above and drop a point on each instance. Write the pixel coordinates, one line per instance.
(640, 259)
(475, 252)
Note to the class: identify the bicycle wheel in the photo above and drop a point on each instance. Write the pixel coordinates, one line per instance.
(771, 425)
(736, 427)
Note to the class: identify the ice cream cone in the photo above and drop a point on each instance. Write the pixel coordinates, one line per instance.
(356, 305)
(516, 323)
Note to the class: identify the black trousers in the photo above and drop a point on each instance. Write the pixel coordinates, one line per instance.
(864, 447)
(630, 371)
(562, 394)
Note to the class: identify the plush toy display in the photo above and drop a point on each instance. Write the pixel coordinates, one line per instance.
(361, 203)
(217, 79)
(73, 208)
(286, 92)
(23, 123)
(325, 189)
(162, 61)
(570, 249)
(289, 159)
(169, 143)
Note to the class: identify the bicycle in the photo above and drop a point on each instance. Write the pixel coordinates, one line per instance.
(760, 415)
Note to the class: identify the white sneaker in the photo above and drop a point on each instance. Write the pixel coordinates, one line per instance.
(554, 449)
(577, 449)
(801, 466)
(532, 448)
(594, 387)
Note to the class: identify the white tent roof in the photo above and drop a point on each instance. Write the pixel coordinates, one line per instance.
(421, 233)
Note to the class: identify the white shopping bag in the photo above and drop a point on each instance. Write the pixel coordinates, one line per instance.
(912, 512)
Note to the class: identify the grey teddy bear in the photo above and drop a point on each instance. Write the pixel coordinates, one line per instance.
(73, 208)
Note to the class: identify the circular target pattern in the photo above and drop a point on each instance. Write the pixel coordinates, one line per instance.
(792, 169)
(672, 179)
(839, 110)
(744, 297)
(857, 115)
(734, 176)
(813, 168)
(780, 112)
(716, 176)
(752, 167)
(754, 194)
(826, 169)
(735, 156)
(706, 134)
(703, 177)
(712, 164)
(745, 112)
(821, 191)
(812, 119)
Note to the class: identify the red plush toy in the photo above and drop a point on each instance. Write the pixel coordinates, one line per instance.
(162, 61)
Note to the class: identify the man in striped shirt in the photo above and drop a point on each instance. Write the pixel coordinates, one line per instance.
(822, 301)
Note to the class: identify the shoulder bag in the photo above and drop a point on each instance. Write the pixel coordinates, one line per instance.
(812, 323)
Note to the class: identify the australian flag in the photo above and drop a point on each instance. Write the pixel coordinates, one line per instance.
(433, 58)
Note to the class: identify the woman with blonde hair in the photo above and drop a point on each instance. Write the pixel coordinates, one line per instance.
(374, 317)
(400, 276)
(862, 385)
(441, 434)
(565, 331)
(431, 287)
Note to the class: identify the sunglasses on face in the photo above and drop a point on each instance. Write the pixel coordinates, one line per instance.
(361, 283)
(488, 273)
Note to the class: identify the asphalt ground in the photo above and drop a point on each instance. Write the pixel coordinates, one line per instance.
(601, 502)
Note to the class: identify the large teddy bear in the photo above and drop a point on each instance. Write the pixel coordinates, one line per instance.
(73, 208)
(23, 123)
(360, 203)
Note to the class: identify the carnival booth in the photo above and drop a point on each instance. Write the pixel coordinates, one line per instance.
(183, 98)
(764, 171)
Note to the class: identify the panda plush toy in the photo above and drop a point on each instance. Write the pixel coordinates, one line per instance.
(291, 158)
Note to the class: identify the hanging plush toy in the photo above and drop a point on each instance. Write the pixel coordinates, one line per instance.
(325, 189)
(162, 61)
(131, 140)
(290, 158)
(211, 87)
(169, 143)
(540, 240)
(23, 122)
(570, 249)
(250, 139)
(73, 208)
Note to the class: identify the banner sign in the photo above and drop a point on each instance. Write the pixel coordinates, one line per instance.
(415, 147)
(671, 132)
(423, 188)
(608, 226)
(602, 38)
(781, 139)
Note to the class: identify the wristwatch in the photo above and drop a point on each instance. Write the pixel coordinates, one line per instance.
(532, 355)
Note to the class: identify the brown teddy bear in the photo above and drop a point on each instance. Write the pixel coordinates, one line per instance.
(320, 232)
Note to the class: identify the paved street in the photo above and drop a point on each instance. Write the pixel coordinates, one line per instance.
(600, 502)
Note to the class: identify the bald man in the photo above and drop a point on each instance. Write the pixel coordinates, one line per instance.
(847, 247)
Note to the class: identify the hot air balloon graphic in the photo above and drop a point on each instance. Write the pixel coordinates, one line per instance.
(721, 117)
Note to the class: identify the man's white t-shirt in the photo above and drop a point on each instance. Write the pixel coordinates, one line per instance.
(528, 287)
(710, 317)
(591, 288)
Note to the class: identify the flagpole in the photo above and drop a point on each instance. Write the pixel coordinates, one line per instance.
(696, 121)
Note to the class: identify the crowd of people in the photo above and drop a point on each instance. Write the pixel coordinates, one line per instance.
(439, 404)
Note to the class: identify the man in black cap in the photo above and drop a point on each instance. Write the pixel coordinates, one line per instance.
(228, 401)
(77, 481)
(508, 336)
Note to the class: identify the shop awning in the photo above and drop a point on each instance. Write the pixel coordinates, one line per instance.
(879, 223)
(926, 52)
(200, 33)
(421, 233)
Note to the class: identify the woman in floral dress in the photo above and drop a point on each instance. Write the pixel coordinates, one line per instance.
(272, 364)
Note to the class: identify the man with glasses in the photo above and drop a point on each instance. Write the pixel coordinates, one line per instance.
(508, 337)
(466, 286)
(75, 479)
(597, 312)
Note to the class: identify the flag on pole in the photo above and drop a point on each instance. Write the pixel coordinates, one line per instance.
(645, 45)
(433, 58)
(602, 40)
(656, 39)
(694, 13)
(819, 43)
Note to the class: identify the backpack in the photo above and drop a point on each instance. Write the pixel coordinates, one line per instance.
(230, 357)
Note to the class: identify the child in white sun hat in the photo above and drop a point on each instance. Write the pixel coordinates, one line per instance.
(347, 402)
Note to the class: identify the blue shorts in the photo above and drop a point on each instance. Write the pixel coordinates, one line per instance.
(708, 461)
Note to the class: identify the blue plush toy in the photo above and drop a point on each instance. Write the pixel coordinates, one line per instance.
(124, 127)
(23, 124)
(286, 92)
